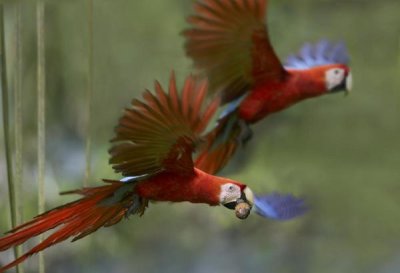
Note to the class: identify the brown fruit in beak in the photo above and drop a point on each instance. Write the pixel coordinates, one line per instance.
(242, 210)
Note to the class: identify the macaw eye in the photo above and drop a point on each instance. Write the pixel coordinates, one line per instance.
(337, 71)
(231, 188)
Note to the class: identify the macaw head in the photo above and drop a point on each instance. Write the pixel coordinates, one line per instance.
(338, 78)
(275, 206)
(327, 63)
(237, 197)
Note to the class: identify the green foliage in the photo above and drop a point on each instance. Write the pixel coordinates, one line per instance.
(14, 179)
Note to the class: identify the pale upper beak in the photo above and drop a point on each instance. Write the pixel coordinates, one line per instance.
(349, 82)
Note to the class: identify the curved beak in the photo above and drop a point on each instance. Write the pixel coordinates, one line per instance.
(244, 204)
(346, 85)
(241, 206)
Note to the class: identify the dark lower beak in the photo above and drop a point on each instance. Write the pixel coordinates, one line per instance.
(338, 88)
(242, 208)
(230, 205)
(345, 85)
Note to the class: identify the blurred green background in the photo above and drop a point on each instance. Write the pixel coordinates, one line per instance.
(342, 153)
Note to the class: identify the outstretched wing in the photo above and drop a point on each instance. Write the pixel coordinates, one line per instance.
(161, 132)
(279, 207)
(228, 42)
(321, 53)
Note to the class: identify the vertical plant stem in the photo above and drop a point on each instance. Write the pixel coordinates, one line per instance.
(41, 85)
(18, 172)
(89, 92)
(6, 126)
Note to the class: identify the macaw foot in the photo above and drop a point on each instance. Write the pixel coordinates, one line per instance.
(137, 206)
(245, 132)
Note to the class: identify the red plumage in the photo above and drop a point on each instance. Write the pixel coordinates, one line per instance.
(199, 187)
(229, 44)
(272, 96)
(77, 219)
(154, 142)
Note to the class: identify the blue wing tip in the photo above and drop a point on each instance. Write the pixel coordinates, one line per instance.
(321, 53)
(280, 206)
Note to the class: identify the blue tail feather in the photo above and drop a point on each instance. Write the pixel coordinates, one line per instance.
(279, 207)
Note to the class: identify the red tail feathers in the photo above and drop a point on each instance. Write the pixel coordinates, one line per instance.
(100, 206)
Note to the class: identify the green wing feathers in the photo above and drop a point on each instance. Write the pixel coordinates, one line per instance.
(161, 132)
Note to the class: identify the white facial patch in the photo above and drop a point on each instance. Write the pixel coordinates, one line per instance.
(334, 77)
(229, 193)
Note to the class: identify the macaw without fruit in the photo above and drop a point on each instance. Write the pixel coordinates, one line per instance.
(153, 147)
(229, 44)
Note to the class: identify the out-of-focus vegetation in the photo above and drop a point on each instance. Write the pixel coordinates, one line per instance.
(342, 153)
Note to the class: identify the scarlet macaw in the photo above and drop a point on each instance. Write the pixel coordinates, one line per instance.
(153, 147)
(229, 44)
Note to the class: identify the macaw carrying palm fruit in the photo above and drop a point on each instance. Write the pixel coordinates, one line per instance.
(229, 44)
(153, 147)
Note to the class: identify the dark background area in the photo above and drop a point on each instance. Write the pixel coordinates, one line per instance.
(342, 153)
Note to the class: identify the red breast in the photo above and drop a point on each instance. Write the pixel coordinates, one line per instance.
(199, 187)
(271, 97)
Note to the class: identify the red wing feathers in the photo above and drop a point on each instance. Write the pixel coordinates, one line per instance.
(221, 143)
(229, 44)
(156, 134)
(161, 132)
(213, 160)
